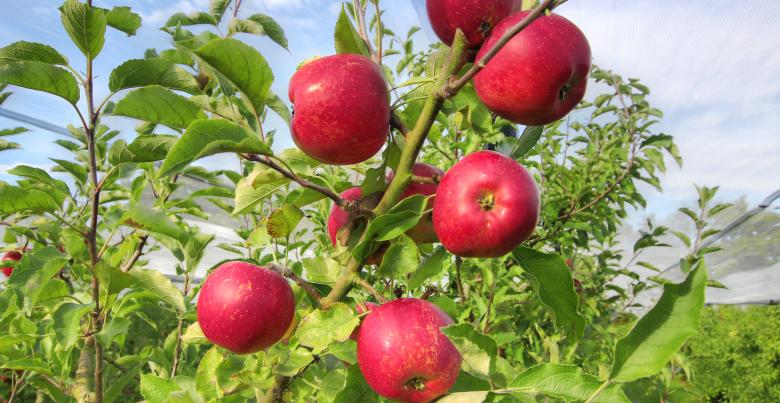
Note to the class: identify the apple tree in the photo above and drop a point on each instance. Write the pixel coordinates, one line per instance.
(413, 246)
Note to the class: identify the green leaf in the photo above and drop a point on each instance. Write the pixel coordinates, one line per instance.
(36, 268)
(123, 19)
(11, 132)
(33, 52)
(194, 335)
(159, 105)
(28, 364)
(40, 176)
(401, 218)
(160, 286)
(259, 24)
(554, 285)
(527, 141)
(430, 268)
(40, 76)
(85, 25)
(156, 389)
(208, 137)
(283, 221)
(206, 374)
(272, 29)
(194, 18)
(243, 66)
(565, 382)
(67, 323)
(277, 105)
(662, 331)
(321, 328)
(155, 221)
(477, 350)
(153, 71)
(260, 184)
(15, 200)
(295, 361)
(112, 279)
(346, 37)
(145, 148)
(9, 145)
(322, 270)
(356, 388)
(400, 259)
(217, 8)
(76, 170)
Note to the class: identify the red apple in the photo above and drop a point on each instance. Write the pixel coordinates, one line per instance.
(402, 353)
(10, 255)
(486, 205)
(339, 218)
(362, 308)
(342, 109)
(540, 75)
(476, 18)
(245, 308)
(422, 232)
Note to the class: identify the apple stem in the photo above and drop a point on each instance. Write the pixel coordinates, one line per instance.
(452, 88)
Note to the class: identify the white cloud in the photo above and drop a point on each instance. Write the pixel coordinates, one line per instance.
(281, 4)
(715, 71)
(160, 15)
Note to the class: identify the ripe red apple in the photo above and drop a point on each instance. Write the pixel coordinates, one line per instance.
(245, 308)
(13, 255)
(486, 205)
(339, 217)
(476, 18)
(540, 75)
(342, 109)
(422, 232)
(402, 353)
(362, 308)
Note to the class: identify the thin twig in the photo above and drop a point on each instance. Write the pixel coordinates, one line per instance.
(139, 251)
(373, 291)
(360, 16)
(115, 364)
(458, 282)
(288, 273)
(295, 178)
(453, 87)
(398, 124)
(235, 8)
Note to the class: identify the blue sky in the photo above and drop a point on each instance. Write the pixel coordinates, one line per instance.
(713, 67)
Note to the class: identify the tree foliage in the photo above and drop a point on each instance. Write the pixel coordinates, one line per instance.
(85, 317)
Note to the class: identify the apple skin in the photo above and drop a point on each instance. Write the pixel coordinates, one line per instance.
(540, 75)
(400, 342)
(475, 18)
(422, 232)
(245, 308)
(486, 205)
(10, 255)
(339, 217)
(342, 109)
(362, 308)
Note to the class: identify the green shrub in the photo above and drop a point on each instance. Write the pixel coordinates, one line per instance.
(736, 356)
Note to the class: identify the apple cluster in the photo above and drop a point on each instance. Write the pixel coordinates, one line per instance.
(483, 207)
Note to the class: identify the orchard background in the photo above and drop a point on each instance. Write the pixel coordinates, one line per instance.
(86, 317)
